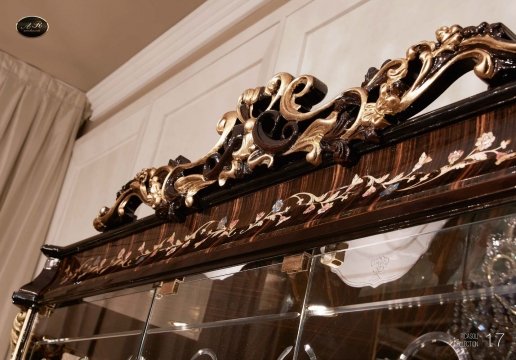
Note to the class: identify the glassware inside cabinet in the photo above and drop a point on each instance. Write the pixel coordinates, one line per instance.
(430, 291)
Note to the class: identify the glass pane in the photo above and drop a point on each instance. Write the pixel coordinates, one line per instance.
(250, 309)
(427, 292)
(94, 325)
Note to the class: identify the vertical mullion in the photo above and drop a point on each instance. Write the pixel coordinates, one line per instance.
(144, 332)
(304, 307)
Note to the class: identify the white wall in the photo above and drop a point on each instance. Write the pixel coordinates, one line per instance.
(335, 40)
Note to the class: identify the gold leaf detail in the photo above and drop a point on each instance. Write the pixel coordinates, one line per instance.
(311, 139)
(258, 157)
(191, 185)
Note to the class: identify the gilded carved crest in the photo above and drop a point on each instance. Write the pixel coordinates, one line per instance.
(277, 122)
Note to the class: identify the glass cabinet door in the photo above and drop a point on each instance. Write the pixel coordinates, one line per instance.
(418, 293)
(249, 312)
(442, 290)
(110, 327)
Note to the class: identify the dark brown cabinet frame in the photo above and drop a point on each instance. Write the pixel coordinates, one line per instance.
(286, 178)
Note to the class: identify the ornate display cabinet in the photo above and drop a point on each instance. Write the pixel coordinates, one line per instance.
(357, 229)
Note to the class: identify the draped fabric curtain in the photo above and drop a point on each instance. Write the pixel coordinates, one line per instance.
(39, 120)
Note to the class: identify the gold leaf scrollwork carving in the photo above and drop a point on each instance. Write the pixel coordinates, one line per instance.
(191, 185)
(146, 187)
(272, 123)
(18, 321)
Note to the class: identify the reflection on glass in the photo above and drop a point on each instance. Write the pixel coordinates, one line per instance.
(103, 327)
(285, 352)
(443, 294)
(252, 292)
(110, 313)
(310, 352)
(207, 352)
(250, 314)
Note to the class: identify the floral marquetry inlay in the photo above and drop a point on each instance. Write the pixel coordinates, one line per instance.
(274, 124)
(284, 212)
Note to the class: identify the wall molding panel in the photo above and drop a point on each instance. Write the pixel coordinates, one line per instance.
(193, 32)
(94, 165)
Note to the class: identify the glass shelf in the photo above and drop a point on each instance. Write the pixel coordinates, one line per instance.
(466, 295)
(231, 322)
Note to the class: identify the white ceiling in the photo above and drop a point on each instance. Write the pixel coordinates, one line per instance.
(87, 40)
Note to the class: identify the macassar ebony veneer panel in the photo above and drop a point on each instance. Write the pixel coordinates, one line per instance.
(466, 165)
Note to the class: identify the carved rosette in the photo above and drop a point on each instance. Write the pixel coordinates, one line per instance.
(276, 122)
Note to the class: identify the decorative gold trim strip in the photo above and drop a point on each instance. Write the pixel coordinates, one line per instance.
(21, 334)
(277, 120)
(18, 322)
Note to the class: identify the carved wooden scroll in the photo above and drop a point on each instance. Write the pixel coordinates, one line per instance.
(276, 123)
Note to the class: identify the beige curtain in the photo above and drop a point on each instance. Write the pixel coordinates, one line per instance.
(39, 120)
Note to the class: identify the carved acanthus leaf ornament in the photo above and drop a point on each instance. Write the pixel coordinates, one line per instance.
(276, 122)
